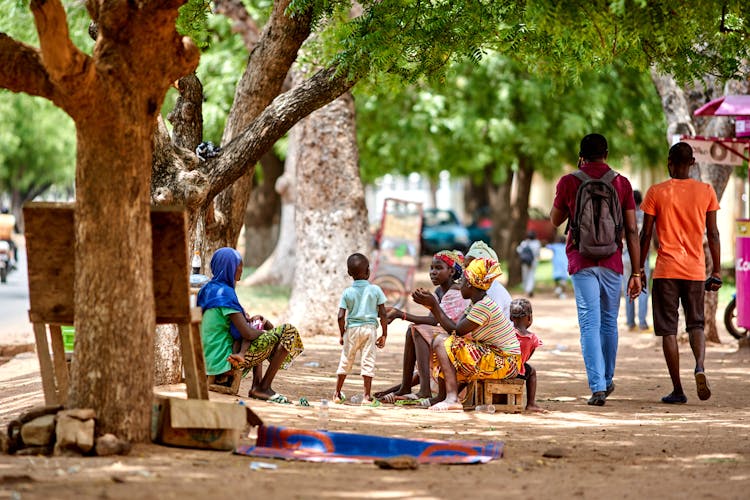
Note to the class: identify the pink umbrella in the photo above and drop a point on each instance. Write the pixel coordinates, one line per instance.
(728, 105)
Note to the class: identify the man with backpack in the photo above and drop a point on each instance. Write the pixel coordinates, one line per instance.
(599, 207)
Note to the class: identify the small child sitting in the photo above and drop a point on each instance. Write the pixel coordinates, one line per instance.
(521, 315)
(361, 305)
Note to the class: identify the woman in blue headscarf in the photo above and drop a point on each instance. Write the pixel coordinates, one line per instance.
(225, 321)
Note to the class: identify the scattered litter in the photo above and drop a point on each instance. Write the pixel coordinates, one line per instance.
(303, 401)
(555, 453)
(262, 465)
(403, 462)
(312, 364)
(559, 348)
(73, 469)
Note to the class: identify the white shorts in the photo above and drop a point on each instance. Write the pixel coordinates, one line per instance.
(359, 338)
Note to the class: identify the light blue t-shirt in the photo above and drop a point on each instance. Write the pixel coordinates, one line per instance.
(361, 301)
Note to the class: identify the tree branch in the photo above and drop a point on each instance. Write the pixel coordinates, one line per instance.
(278, 117)
(22, 69)
(267, 67)
(61, 57)
(187, 115)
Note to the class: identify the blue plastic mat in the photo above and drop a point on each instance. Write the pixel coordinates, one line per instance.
(338, 447)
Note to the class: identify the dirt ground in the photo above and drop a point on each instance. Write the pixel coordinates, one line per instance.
(634, 447)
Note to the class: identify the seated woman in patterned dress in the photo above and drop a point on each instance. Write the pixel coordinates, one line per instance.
(445, 269)
(481, 345)
(225, 321)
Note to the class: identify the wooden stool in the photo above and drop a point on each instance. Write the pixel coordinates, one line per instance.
(505, 394)
(232, 389)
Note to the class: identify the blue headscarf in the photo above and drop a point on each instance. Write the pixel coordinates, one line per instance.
(219, 292)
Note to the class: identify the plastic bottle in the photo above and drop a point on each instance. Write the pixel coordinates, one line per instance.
(323, 415)
(485, 408)
(195, 263)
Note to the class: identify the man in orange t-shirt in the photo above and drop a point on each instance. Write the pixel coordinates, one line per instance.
(682, 209)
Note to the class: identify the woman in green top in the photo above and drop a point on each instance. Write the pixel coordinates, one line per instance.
(225, 321)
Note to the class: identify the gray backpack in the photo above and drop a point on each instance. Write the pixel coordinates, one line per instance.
(596, 228)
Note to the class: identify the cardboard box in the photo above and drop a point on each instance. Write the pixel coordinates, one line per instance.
(196, 423)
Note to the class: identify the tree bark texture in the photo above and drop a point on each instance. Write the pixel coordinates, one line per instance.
(114, 98)
(331, 217)
(167, 355)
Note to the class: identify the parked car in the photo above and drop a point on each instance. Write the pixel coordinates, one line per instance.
(481, 228)
(441, 230)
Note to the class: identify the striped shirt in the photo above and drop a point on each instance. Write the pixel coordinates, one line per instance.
(495, 330)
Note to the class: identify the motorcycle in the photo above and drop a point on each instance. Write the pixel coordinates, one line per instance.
(730, 320)
(5, 260)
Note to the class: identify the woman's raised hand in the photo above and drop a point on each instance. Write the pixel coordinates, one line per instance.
(425, 298)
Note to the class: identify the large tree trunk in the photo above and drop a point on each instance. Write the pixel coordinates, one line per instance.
(331, 218)
(187, 133)
(112, 370)
(114, 99)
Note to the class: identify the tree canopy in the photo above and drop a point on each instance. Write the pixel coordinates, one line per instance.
(488, 112)
(37, 147)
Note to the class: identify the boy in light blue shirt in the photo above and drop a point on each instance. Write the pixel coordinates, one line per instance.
(361, 305)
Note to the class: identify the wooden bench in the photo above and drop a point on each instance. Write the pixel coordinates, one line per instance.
(50, 234)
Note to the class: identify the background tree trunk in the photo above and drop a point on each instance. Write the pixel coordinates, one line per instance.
(519, 216)
(263, 212)
(331, 217)
(278, 269)
(267, 68)
(500, 203)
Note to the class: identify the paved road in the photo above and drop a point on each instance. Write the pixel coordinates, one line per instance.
(14, 306)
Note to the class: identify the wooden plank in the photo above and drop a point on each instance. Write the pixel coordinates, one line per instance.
(50, 239)
(171, 266)
(58, 360)
(200, 360)
(193, 363)
(45, 364)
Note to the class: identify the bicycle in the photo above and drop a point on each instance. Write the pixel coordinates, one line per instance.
(730, 320)
(394, 289)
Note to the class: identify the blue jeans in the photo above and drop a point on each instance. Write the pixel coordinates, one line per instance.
(597, 292)
(642, 298)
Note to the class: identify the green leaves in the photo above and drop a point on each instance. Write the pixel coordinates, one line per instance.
(34, 154)
(496, 111)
